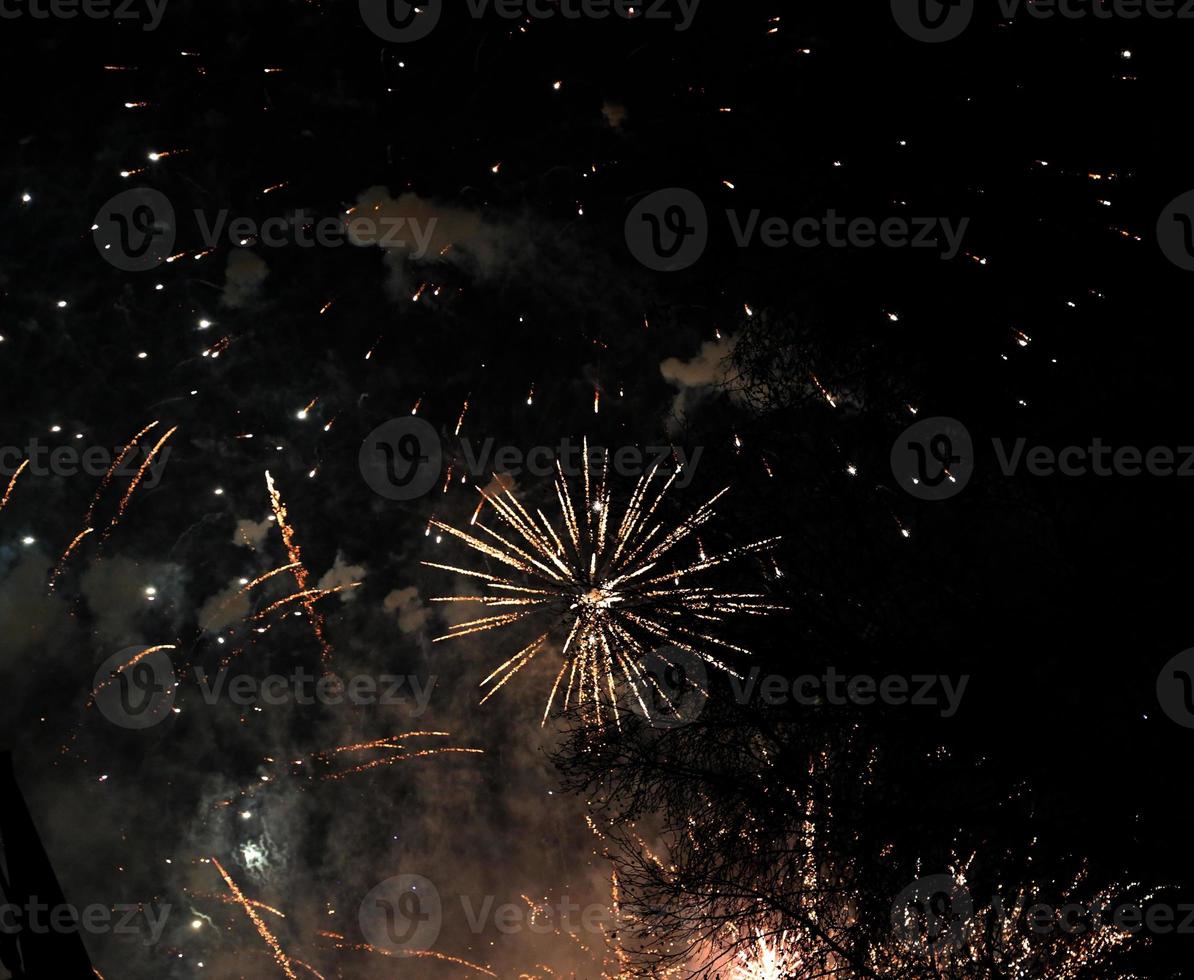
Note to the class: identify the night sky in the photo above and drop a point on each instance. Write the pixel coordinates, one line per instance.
(787, 374)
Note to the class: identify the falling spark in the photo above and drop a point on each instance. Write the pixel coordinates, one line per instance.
(305, 596)
(148, 651)
(298, 569)
(431, 954)
(772, 958)
(824, 391)
(136, 481)
(395, 744)
(592, 581)
(132, 444)
(460, 421)
(262, 930)
(232, 900)
(12, 483)
(58, 569)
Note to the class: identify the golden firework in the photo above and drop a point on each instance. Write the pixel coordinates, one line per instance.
(605, 584)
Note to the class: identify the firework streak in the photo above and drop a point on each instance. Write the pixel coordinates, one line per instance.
(12, 483)
(299, 570)
(342, 943)
(262, 930)
(393, 744)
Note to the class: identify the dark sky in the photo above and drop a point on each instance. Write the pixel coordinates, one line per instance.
(1059, 142)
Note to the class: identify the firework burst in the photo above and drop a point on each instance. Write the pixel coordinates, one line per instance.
(610, 587)
(770, 958)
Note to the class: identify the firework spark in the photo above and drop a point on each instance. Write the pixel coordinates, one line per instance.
(249, 586)
(132, 444)
(271, 941)
(304, 597)
(430, 954)
(140, 474)
(604, 584)
(123, 667)
(61, 566)
(233, 900)
(398, 748)
(12, 483)
(299, 570)
(772, 958)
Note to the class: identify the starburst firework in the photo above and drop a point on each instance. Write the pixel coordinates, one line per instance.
(604, 585)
